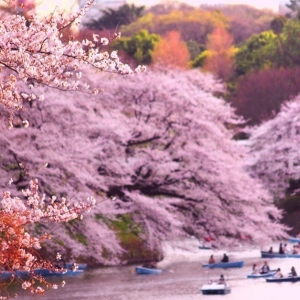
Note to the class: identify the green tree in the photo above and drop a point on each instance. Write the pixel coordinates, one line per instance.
(112, 18)
(288, 44)
(256, 53)
(195, 48)
(140, 46)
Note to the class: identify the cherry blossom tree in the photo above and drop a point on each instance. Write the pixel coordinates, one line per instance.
(33, 55)
(274, 153)
(159, 145)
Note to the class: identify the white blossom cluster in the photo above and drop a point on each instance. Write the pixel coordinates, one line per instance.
(36, 55)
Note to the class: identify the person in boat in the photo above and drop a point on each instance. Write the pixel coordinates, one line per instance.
(265, 268)
(285, 248)
(278, 274)
(254, 269)
(225, 258)
(293, 272)
(221, 279)
(211, 260)
(151, 265)
(270, 250)
(295, 249)
(281, 249)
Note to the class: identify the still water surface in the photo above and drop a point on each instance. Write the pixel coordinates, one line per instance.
(181, 280)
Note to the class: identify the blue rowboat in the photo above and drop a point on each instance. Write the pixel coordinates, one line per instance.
(215, 289)
(284, 279)
(259, 275)
(8, 275)
(294, 239)
(234, 264)
(65, 272)
(146, 271)
(265, 254)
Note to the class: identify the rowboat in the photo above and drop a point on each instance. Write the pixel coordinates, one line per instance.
(226, 265)
(7, 275)
(294, 239)
(215, 289)
(284, 279)
(64, 272)
(264, 275)
(146, 271)
(265, 254)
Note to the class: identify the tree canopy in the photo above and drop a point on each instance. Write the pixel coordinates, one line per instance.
(113, 18)
(33, 56)
(274, 154)
(159, 145)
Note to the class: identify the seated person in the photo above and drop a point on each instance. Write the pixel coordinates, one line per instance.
(293, 272)
(295, 249)
(265, 268)
(221, 279)
(225, 258)
(151, 265)
(254, 269)
(211, 260)
(278, 274)
(270, 250)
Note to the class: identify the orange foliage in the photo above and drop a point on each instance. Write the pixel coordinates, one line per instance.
(220, 57)
(172, 51)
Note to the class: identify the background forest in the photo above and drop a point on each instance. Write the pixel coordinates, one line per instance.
(204, 143)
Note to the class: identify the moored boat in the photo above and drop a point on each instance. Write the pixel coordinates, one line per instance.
(284, 279)
(294, 239)
(225, 265)
(215, 289)
(262, 275)
(266, 254)
(8, 275)
(63, 272)
(146, 271)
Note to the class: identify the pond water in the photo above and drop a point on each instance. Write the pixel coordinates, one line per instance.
(181, 280)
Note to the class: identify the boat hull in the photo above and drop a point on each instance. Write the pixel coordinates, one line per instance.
(265, 254)
(285, 279)
(294, 239)
(254, 276)
(8, 275)
(234, 264)
(67, 272)
(215, 289)
(147, 271)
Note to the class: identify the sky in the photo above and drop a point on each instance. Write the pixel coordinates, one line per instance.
(271, 4)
